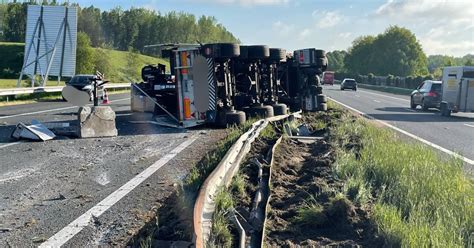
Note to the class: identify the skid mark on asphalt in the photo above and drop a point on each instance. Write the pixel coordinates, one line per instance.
(52, 110)
(11, 176)
(467, 160)
(68, 232)
(10, 144)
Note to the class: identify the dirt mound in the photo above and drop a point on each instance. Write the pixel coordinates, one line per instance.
(306, 207)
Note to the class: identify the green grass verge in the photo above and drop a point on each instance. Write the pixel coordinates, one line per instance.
(423, 200)
(12, 61)
(221, 235)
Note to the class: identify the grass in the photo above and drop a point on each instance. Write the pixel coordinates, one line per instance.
(422, 199)
(119, 65)
(203, 169)
(12, 60)
(42, 97)
(221, 235)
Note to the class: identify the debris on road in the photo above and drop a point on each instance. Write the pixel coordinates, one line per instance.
(36, 131)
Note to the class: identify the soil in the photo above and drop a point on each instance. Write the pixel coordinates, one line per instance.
(303, 175)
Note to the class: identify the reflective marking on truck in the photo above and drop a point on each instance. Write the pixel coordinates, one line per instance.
(452, 83)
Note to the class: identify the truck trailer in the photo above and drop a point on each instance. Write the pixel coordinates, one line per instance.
(457, 90)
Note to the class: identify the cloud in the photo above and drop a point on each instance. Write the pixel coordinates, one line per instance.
(245, 2)
(282, 28)
(438, 10)
(304, 34)
(326, 19)
(443, 27)
(344, 35)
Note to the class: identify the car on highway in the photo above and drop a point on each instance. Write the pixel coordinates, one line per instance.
(349, 83)
(83, 82)
(427, 95)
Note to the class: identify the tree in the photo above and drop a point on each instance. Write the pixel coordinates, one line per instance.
(84, 54)
(14, 22)
(89, 23)
(102, 62)
(396, 52)
(336, 60)
(359, 57)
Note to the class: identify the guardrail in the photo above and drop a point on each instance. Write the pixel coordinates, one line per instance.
(20, 91)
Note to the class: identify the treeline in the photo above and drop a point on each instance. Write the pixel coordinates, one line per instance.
(123, 29)
(393, 53)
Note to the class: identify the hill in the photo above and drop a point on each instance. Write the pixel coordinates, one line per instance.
(11, 61)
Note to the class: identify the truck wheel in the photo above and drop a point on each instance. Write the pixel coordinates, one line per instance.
(323, 107)
(321, 62)
(258, 52)
(320, 53)
(321, 99)
(277, 54)
(412, 103)
(244, 52)
(221, 50)
(235, 118)
(280, 109)
(264, 111)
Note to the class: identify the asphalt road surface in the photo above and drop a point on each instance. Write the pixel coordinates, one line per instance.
(89, 192)
(455, 133)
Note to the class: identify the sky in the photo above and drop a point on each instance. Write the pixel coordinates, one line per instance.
(442, 27)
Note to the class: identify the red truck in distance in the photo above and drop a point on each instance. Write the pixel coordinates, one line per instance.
(328, 77)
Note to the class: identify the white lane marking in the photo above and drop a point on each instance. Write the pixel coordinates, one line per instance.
(467, 160)
(10, 144)
(468, 125)
(377, 101)
(68, 232)
(51, 110)
(411, 110)
(401, 99)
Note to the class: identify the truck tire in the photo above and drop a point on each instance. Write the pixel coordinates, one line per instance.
(277, 54)
(321, 99)
(322, 62)
(235, 118)
(221, 50)
(264, 111)
(323, 107)
(280, 109)
(258, 52)
(244, 52)
(320, 53)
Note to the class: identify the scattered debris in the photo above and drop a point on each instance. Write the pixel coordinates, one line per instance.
(35, 131)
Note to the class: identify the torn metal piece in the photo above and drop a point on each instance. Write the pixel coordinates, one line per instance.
(36, 131)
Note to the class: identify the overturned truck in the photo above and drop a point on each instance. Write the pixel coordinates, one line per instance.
(225, 83)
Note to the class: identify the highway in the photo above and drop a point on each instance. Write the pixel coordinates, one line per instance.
(89, 192)
(455, 133)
